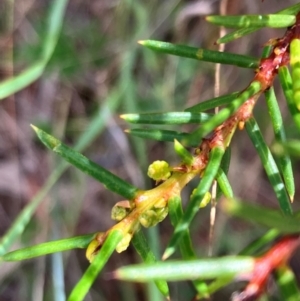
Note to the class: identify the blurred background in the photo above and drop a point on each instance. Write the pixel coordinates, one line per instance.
(97, 72)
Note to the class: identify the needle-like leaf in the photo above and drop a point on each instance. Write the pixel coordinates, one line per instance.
(292, 10)
(202, 54)
(88, 278)
(295, 66)
(198, 195)
(111, 181)
(167, 118)
(275, 21)
(49, 248)
(216, 120)
(141, 246)
(224, 184)
(291, 147)
(269, 165)
(285, 163)
(55, 21)
(176, 270)
(287, 87)
(287, 283)
(213, 103)
(265, 216)
(159, 135)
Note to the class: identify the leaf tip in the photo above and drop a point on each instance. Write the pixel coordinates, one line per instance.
(168, 252)
(129, 117)
(47, 139)
(34, 128)
(141, 42)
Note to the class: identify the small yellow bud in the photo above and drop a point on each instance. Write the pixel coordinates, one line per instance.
(120, 210)
(159, 171)
(94, 246)
(124, 243)
(206, 199)
(153, 216)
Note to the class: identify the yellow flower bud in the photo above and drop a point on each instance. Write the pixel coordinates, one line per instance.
(159, 171)
(124, 243)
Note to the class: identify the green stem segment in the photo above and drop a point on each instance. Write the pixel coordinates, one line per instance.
(86, 281)
(141, 246)
(185, 245)
(193, 206)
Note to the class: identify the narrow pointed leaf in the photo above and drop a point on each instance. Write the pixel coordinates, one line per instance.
(292, 10)
(275, 21)
(236, 35)
(88, 278)
(295, 66)
(264, 216)
(48, 248)
(202, 54)
(223, 184)
(193, 206)
(270, 166)
(185, 244)
(183, 153)
(287, 283)
(110, 181)
(159, 135)
(287, 87)
(174, 271)
(225, 113)
(219, 283)
(176, 213)
(28, 76)
(291, 147)
(259, 243)
(285, 163)
(213, 103)
(167, 118)
(141, 246)
(93, 130)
